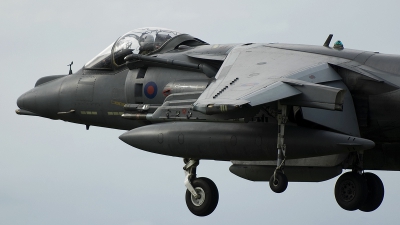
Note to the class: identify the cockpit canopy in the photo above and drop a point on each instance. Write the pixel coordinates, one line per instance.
(142, 41)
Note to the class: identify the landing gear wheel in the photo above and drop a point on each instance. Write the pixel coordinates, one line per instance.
(375, 195)
(351, 191)
(208, 197)
(278, 182)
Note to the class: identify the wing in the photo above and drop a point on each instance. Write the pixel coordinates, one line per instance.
(259, 74)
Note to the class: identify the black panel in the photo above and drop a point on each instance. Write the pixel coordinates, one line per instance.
(138, 90)
(141, 73)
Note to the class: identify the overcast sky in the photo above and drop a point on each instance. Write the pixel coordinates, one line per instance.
(53, 172)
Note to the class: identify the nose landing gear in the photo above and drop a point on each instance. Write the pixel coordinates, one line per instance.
(202, 193)
(207, 201)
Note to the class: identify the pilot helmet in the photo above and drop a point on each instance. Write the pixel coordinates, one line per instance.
(146, 42)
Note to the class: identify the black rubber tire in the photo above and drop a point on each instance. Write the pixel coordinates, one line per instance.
(376, 192)
(211, 197)
(351, 191)
(279, 183)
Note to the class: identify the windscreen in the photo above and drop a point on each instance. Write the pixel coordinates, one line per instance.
(102, 60)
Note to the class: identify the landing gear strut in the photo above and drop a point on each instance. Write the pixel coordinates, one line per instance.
(358, 190)
(278, 181)
(201, 194)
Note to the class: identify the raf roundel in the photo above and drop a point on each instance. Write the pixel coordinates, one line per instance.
(150, 90)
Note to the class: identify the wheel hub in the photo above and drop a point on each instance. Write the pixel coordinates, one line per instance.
(276, 182)
(198, 201)
(347, 190)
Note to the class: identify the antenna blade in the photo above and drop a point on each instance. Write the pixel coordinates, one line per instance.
(328, 40)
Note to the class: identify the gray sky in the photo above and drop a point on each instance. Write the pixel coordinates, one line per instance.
(52, 172)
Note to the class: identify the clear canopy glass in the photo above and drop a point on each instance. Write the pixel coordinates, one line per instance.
(139, 41)
(102, 60)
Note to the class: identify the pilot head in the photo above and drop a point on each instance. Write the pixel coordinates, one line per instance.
(146, 43)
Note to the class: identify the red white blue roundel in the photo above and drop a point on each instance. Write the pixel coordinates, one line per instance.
(150, 90)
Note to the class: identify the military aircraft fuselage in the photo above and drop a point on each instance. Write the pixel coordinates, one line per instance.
(97, 97)
(314, 110)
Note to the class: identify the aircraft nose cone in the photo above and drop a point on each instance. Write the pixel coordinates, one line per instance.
(42, 100)
(21, 100)
(27, 100)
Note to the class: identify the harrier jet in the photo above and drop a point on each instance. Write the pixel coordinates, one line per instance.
(279, 112)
